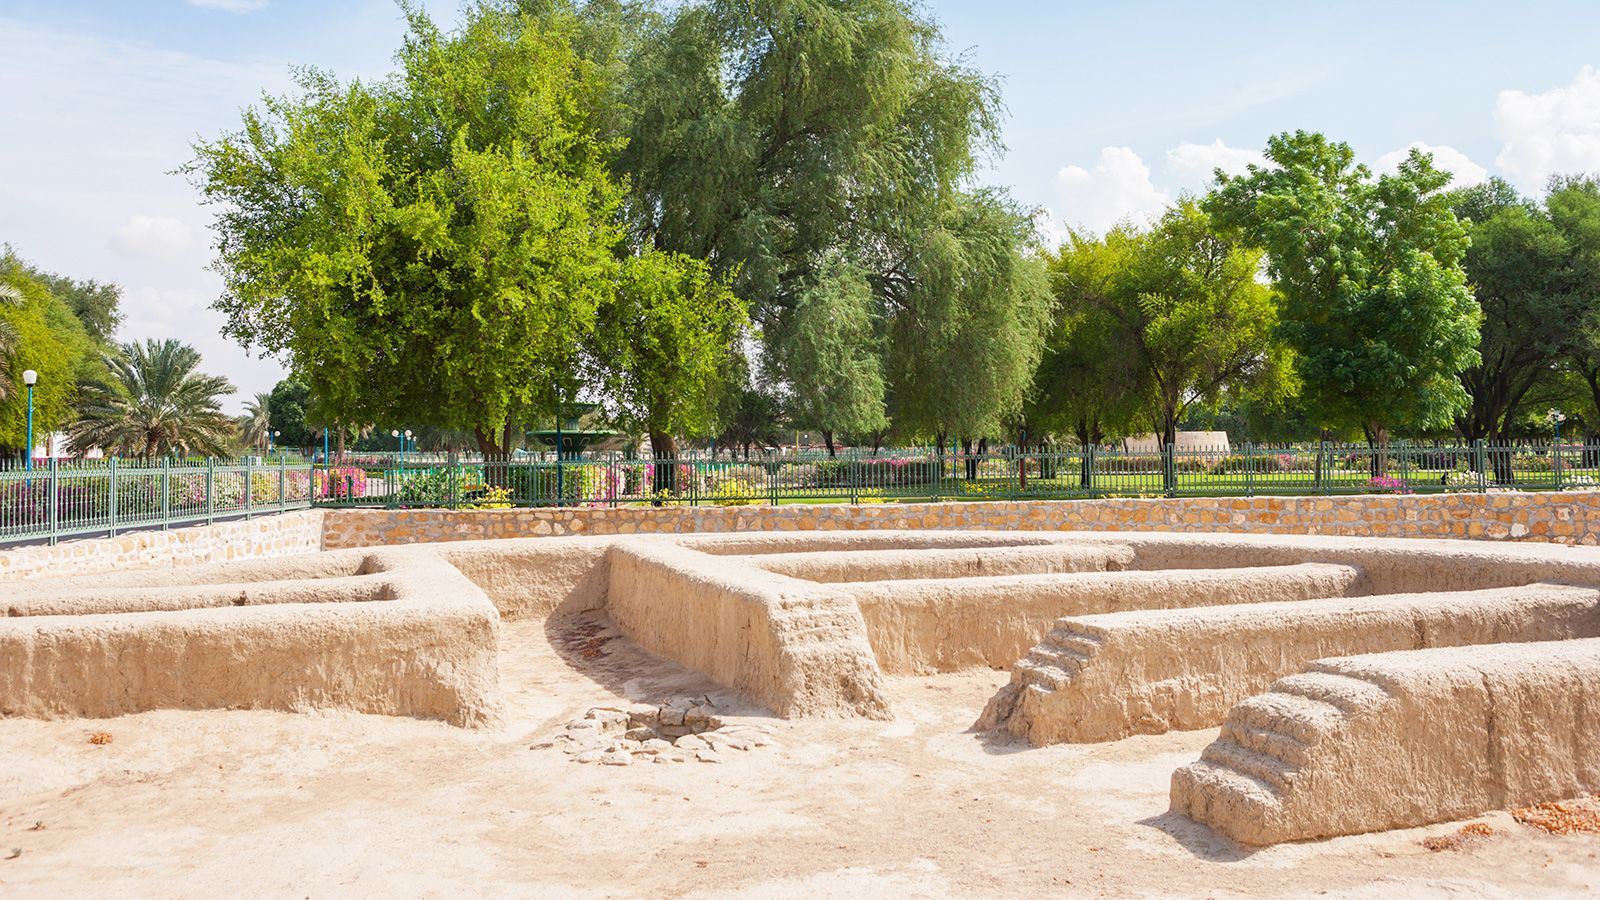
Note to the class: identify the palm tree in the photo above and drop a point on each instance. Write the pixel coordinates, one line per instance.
(9, 296)
(156, 404)
(256, 422)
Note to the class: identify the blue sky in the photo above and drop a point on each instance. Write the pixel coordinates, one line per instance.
(1114, 109)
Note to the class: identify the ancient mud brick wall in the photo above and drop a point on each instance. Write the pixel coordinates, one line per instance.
(1568, 518)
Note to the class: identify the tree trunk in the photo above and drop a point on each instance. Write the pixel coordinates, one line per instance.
(1378, 440)
(827, 438)
(972, 461)
(665, 451)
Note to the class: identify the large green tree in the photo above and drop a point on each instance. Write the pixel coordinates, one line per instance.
(808, 147)
(1520, 267)
(968, 334)
(1376, 306)
(36, 332)
(432, 248)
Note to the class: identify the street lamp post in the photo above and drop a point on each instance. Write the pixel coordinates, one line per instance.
(1556, 417)
(409, 443)
(30, 378)
(272, 440)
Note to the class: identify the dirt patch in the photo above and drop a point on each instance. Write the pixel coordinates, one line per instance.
(1580, 816)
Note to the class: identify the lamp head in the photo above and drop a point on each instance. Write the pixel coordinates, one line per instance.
(30, 378)
(395, 433)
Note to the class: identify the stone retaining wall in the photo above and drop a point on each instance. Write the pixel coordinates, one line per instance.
(279, 534)
(1569, 518)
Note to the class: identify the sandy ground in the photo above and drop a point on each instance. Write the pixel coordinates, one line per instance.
(243, 803)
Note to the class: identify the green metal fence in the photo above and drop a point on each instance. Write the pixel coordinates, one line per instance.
(860, 477)
(104, 497)
(86, 498)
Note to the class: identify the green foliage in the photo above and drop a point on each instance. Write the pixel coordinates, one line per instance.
(95, 304)
(286, 411)
(830, 354)
(157, 402)
(663, 342)
(809, 147)
(25, 317)
(967, 337)
(1376, 306)
(1520, 267)
(432, 248)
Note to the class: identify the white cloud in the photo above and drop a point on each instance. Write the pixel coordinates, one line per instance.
(158, 236)
(1117, 188)
(1194, 164)
(1549, 133)
(1449, 159)
(237, 7)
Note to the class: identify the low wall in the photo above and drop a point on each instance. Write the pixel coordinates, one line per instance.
(278, 534)
(1571, 517)
(1394, 740)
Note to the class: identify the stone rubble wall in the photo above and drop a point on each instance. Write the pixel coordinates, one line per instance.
(1571, 517)
(267, 535)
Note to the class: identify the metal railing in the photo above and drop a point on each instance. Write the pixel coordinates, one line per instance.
(87, 498)
(860, 477)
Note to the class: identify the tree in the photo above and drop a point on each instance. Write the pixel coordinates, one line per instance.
(967, 334)
(28, 342)
(1087, 385)
(661, 347)
(256, 421)
(1573, 205)
(95, 304)
(432, 248)
(1202, 326)
(829, 350)
(1520, 271)
(286, 407)
(804, 146)
(158, 402)
(1376, 307)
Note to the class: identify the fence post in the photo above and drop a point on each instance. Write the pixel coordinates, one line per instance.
(1324, 467)
(1169, 466)
(112, 503)
(1249, 469)
(1480, 463)
(283, 482)
(1405, 465)
(52, 481)
(166, 491)
(1089, 467)
(211, 490)
(249, 487)
(1555, 462)
(854, 462)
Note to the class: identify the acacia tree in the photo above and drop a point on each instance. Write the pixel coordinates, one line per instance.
(1376, 306)
(432, 248)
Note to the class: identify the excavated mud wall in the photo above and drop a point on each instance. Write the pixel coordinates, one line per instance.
(405, 636)
(1394, 740)
(941, 625)
(797, 647)
(1104, 677)
(833, 566)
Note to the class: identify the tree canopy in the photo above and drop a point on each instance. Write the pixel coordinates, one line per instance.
(432, 248)
(1376, 307)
